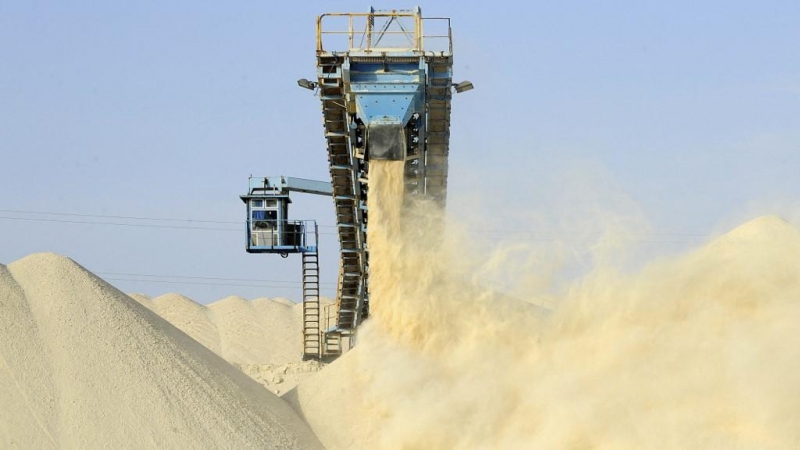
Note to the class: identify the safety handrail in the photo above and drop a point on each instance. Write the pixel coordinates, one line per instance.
(368, 35)
(303, 234)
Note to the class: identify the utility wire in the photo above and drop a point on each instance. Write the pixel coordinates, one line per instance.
(202, 283)
(139, 225)
(50, 213)
(201, 278)
(323, 233)
(578, 233)
(537, 236)
(135, 225)
(104, 216)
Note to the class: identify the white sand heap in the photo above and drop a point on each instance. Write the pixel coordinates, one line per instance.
(695, 352)
(84, 366)
(259, 332)
(261, 337)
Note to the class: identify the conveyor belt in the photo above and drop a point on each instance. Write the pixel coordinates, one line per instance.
(407, 88)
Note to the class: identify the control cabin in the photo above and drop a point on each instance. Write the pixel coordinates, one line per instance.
(269, 229)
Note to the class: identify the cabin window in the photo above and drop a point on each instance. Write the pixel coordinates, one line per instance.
(265, 219)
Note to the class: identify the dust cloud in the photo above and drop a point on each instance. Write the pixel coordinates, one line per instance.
(696, 351)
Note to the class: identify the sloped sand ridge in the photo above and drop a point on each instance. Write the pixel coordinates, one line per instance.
(85, 366)
(694, 352)
(257, 332)
(190, 317)
(261, 331)
(261, 337)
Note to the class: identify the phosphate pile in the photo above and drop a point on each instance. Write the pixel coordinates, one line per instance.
(246, 332)
(695, 352)
(84, 366)
(261, 337)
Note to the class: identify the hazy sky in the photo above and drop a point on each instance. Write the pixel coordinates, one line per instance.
(686, 112)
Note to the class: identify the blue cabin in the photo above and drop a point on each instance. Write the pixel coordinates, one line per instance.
(269, 229)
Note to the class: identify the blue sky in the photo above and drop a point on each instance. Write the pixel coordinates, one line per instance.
(688, 111)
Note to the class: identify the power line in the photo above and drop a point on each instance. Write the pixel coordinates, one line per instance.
(164, 219)
(105, 216)
(134, 225)
(578, 233)
(203, 278)
(203, 284)
(183, 227)
(535, 236)
(50, 213)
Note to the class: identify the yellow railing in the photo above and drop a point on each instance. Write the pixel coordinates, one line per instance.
(362, 34)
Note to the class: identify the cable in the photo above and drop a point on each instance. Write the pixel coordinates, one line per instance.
(577, 233)
(204, 284)
(103, 216)
(204, 278)
(139, 225)
(179, 227)
(135, 225)
(13, 211)
(555, 238)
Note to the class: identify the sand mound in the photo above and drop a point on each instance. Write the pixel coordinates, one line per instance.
(260, 337)
(760, 237)
(28, 410)
(257, 332)
(146, 300)
(190, 317)
(281, 378)
(764, 229)
(284, 301)
(695, 352)
(85, 366)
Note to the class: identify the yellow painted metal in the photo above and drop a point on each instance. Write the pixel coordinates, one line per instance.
(349, 30)
(369, 18)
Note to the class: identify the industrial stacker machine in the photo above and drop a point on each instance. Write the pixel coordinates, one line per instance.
(385, 82)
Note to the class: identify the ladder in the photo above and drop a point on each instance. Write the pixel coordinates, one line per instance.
(311, 311)
(332, 345)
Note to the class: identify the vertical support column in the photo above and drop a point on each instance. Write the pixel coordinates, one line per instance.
(418, 32)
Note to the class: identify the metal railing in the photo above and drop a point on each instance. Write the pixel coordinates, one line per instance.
(329, 317)
(358, 32)
(265, 234)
